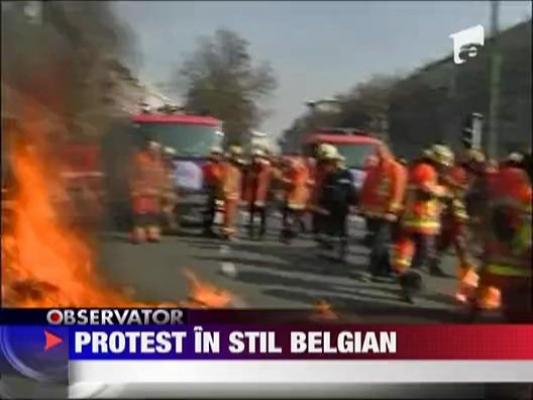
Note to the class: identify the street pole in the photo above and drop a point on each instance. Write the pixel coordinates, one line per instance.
(494, 82)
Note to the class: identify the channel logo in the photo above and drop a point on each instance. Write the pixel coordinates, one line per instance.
(466, 43)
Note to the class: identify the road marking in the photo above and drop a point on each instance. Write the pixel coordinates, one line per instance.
(229, 269)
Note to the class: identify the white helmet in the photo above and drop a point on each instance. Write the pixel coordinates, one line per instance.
(327, 151)
(216, 150)
(515, 157)
(152, 144)
(169, 151)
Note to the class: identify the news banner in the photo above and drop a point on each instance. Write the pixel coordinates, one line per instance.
(167, 334)
(228, 351)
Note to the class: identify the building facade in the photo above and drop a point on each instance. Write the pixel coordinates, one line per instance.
(431, 105)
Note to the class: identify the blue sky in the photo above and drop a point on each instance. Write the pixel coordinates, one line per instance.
(316, 48)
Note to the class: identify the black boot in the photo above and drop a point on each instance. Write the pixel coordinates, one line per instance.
(411, 283)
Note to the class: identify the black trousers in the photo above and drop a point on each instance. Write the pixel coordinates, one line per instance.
(337, 223)
(317, 223)
(262, 212)
(379, 254)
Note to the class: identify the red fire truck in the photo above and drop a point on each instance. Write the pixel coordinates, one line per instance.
(190, 136)
(355, 145)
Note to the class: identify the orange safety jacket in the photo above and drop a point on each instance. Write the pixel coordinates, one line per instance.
(456, 183)
(507, 250)
(148, 174)
(257, 183)
(231, 177)
(147, 182)
(422, 209)
(383, 189)
(297, 190)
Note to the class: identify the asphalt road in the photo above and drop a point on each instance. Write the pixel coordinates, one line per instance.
(269, 274)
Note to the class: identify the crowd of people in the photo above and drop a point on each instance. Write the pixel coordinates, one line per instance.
(414, 212)
(477, 206)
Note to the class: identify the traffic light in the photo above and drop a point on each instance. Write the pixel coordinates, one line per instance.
(472, 131)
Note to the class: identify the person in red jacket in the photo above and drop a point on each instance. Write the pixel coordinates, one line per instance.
(256, 191)
(420, 222)
(380, 202)
(453, 221)
(507, 265)
(321, 169)
(212, 171)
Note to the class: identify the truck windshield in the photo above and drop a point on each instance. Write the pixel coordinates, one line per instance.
(188, 140)
(356, 153)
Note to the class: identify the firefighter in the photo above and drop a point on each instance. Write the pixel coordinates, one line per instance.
(146, 187)
(380, 203)
(338, 196)
(420, 223)
(169, 195)
(322, 168)
(231, 187)
(507, 243)
(370, 166)
(256, 190)
(295, 179)
(212, 171)
(453, 221)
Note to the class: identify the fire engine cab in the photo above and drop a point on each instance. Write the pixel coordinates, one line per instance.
(355, 145)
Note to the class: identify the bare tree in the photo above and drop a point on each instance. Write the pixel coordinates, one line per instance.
(220, 79)
(367, 105)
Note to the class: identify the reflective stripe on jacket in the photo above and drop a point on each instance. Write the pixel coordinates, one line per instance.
(422, 208)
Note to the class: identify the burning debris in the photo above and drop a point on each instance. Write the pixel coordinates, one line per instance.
(45, 263)
(205, 295)
(323, 311)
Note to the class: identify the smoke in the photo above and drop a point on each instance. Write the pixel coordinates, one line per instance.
(68, 56)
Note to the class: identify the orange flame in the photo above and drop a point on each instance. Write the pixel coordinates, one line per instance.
(46, 265)
(206, 295)
(44, 262)
(324, 311)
